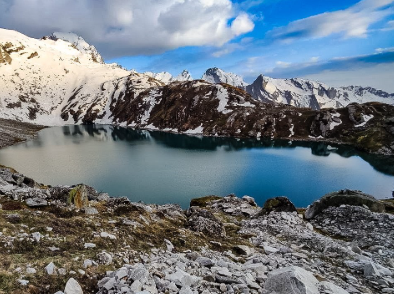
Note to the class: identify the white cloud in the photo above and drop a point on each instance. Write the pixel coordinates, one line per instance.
(283, 64)
(130, 27)
(382, 50)
(352, 22)
(242, 24)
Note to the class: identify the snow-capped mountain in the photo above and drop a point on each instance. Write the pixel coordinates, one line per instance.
(79, 44)
(216, 75)
(166, 77)
(316, 95)
(299, 92)
(40, 80)
(51, 82)
(183, 76)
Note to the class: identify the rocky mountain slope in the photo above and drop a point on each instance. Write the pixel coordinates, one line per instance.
(76, 239)
(53, 83)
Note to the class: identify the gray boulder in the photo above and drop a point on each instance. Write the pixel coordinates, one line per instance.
(36, 202)
(347, 197)
(291, 280)
(330, 288)
(73, 287)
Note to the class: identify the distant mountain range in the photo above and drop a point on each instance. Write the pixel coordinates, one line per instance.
(61, 80)
(296, 92)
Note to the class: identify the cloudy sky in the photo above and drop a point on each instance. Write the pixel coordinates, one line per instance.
(339, 42)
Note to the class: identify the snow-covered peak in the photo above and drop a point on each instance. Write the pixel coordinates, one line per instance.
(216, 75)
(184, 76)
(166, 77)
(79, 43)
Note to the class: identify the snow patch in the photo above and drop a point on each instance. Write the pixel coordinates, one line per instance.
(334, 123)
(222, 95)
(366, 118)
(197, 131)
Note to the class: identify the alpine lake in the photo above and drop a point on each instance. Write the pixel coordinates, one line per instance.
(158, 167)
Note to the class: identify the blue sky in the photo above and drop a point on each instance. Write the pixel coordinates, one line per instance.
(337, 42)
(258, 52)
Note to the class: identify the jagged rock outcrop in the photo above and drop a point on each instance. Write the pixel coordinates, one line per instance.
(278, 204)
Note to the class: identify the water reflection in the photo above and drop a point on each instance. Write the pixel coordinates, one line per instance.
(384, 164)
(158, 167)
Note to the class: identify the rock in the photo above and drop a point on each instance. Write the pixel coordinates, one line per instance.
(243, 250)
(291, 280)
(79, 196)
(106, 235)
(103, 197)
(202, 220)
(374, 269)
(169, 245)
(277, 204)
(91, 210)
(50, 269)
(89, 245)
(36, 236)
(330, 288)
(62, 271)
(204, 261)
(23, 282)
(181, 278)
(250, 200)
(269, 249)
(72, 287)
(88, 263)
(30, 271)
(36, 202)
(348, 197)
(138, 273)
(104, 258)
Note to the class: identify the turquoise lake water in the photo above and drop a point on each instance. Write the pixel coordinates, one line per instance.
(157, 167)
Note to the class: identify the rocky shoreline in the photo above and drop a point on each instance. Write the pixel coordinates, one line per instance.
(76, 240)
(12, 132)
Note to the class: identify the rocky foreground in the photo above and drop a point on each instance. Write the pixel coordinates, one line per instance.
(76, 240)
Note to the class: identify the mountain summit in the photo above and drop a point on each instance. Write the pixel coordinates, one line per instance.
(79, 43)
(216, 75)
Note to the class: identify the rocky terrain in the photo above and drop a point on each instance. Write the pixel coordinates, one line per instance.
(12, 132)
(76, 240)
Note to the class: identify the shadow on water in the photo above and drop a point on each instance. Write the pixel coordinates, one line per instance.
(381, 163)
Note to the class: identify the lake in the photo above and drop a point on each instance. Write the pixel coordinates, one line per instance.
(158, 167)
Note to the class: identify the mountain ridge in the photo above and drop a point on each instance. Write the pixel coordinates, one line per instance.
(51, 82)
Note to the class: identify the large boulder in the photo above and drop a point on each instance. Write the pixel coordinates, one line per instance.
(277, 204)
(73, 287)
(347, 197)
(291, 280)
(296, 280)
